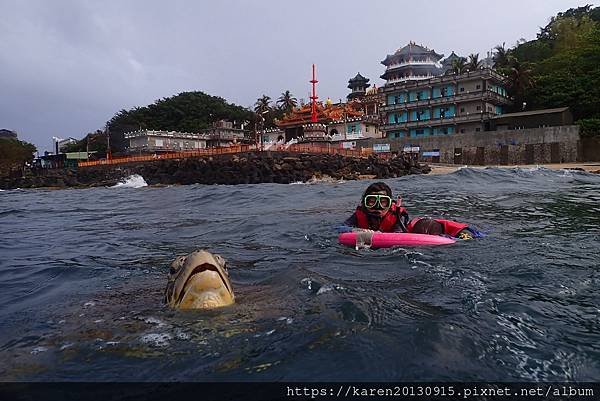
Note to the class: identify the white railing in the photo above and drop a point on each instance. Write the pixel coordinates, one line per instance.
(291, 142)
(268, 145)
(411, 78)
(427, 62)
(354, 135)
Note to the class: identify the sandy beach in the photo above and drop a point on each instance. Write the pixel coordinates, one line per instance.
(591, 167)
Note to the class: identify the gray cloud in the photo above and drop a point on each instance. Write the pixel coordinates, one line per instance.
(67, 66)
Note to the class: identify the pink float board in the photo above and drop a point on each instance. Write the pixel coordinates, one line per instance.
(386, 240)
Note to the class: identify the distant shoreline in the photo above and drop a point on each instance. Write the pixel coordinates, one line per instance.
(590, 167)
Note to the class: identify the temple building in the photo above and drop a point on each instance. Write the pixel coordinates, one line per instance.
(358, 87)
(448, 62)
(423, 97)
(371, 104)
(370, 98)
(410, 63)
(336, 122)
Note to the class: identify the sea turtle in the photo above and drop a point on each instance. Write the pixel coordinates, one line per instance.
(199, 281)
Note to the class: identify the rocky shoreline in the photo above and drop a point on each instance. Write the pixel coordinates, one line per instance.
(243, 168)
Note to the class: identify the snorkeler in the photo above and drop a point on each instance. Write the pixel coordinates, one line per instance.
(378, 212)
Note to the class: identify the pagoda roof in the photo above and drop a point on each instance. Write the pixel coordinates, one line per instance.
(359, 78)
(453, 56)
(411, 49)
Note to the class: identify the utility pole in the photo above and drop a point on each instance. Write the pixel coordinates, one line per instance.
(107, 132)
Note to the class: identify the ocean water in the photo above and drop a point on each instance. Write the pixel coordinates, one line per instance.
(83, 271)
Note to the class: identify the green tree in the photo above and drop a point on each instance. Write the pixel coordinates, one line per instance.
(571, 78)
(92, 142)
(287, 101)
(519, 82)
(474, 63)
(185, 112)
(562, 66)
(263, 104)
(14, 154)
(459, 66)
(502, 57)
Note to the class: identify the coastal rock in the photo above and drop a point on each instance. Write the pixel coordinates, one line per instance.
(248, 168)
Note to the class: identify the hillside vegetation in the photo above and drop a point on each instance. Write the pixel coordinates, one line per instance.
(561, 67)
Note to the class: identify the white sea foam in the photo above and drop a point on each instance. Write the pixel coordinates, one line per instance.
(156, 321)
(133, 181)
(180, 335)
(157, 339)
(37, 350)
(329, 287)
(65, 346)
(325, 179)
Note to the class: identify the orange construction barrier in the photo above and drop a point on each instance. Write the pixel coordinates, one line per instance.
(295, 148)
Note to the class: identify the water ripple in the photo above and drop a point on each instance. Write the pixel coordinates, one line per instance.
(83, 273)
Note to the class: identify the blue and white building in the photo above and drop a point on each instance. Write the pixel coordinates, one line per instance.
(423, 97)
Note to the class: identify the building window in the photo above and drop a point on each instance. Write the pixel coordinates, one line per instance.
(478, 107)
(462, 89)
(462, 130)
(477, 129)
(462, 109)
(478, 87)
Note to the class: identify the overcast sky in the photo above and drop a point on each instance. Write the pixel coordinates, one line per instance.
(66, 67)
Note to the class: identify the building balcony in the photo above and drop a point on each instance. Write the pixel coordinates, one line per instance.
(372, 118)
(434, 122)
(411, 78)
(165, 134)
(486, 73)
(431, 62)
(487, 96)
(226, 136)
(351, 136)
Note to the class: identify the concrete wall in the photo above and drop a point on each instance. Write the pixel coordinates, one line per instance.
(470, 86)
(589, 149)
(470, 128)
(469, 108)
(531, 146)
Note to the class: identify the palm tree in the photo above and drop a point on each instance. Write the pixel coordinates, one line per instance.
(474, 63)
(458, 65)
(502, 57)
(287, 101)
(519, 80)
(262, 104)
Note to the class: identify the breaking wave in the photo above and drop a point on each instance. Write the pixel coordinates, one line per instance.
(133, 181)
